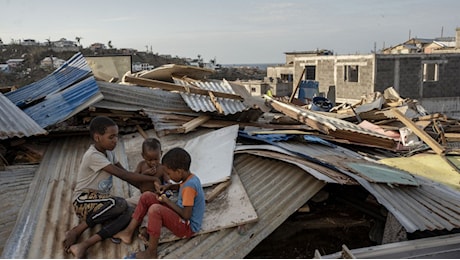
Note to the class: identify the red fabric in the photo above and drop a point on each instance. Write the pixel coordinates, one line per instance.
(160, 215)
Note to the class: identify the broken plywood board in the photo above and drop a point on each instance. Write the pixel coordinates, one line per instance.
(230, 209)
(212, 155)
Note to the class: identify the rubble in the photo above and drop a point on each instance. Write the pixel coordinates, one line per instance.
(366, 145)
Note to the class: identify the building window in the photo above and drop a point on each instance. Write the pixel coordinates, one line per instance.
(253, 89)
(286, 78)
(430, 72)
(350, 73)
(310, 72)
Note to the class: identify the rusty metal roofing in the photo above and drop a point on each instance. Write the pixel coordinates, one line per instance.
(333, 126)
(203, 103)
(72, 71)
(15, 123)
(420, 204)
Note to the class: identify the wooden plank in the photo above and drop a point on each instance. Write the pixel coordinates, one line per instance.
(437, 148)
(194, 123)
(297, 87)
(173, 87)
(141, 131)
(210, 196)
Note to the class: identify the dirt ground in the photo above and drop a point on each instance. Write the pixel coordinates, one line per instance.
(326, 227)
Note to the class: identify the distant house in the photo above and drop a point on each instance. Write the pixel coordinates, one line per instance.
(51, 62)
(96, 47)
(64, 45)
(14, 63)
(139, 66)
(422, 45)
(29, 42)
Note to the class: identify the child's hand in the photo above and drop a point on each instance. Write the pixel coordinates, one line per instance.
(151, 171)
(163, 198)
(158, 188)
(163, 188)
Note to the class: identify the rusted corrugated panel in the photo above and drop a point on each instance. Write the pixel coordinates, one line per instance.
(15, 123)
(334, 127)
(72, 71)
(14, 184)
(419, 205)
(204, 103)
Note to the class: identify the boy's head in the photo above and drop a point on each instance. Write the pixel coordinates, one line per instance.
(151, 151)
(104, 132)
(177, 161)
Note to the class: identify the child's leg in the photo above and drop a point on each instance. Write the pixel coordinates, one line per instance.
(79, 250)
(160, 215)
(72, 235)
(147, 199)
(143, 234)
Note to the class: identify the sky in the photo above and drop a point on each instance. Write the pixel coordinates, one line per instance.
(233, 31)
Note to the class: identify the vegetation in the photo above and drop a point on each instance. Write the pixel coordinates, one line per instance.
(30, 70)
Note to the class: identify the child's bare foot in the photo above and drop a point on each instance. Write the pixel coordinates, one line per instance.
(70, 238)
(125, 236)
(144, 235)
(78, 250)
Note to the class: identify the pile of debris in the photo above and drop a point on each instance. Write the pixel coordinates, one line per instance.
(260, 159)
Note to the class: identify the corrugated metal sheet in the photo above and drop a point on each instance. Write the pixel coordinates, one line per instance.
(15, 123)
(333, 126)
(59, 106)
(69, 73)
(426, 206)
(14, 184)
(276, 190)
(439, 247)
(48, 211)
(130, 97)
(430, 206)
(204, 103)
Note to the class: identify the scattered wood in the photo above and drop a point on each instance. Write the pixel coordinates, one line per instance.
(437, 148)
(194, 123)
(173, 87)
(142, 132)
(210, 196)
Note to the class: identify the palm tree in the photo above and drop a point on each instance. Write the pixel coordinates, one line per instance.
(78, 38)
(110, 44)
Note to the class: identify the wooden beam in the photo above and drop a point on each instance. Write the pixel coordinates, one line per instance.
(194, 123)
(210, 196)
(298, 84)
(142, 132)
(173, 87)
(437, 148)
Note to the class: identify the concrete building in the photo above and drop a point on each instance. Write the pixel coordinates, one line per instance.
(421, 69)
(433, 79)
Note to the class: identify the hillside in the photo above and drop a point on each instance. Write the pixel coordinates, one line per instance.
(30, 71)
